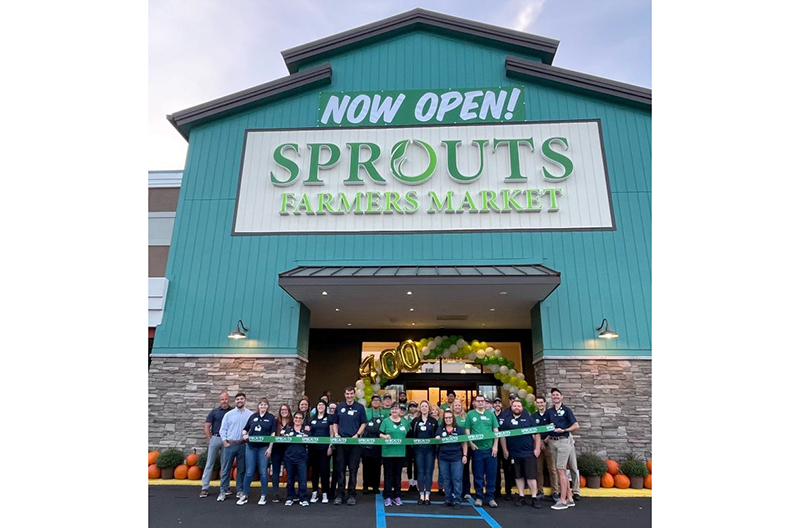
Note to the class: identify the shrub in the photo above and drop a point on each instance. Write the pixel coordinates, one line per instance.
(590, 465)
(633, 467)
(171, 458)
(202, 458)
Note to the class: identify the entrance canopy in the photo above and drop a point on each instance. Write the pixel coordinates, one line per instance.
(450, 297)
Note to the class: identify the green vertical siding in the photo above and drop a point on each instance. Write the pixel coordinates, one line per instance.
(216, 279)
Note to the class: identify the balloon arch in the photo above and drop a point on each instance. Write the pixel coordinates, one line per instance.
(409, 355)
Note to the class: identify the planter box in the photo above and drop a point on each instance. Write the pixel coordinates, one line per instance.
(168, 473)
(637, 482)
(593, 482)
(214, 474)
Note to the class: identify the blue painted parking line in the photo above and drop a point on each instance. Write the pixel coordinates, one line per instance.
(381, 514)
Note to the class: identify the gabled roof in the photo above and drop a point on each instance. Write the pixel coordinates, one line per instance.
(541, 47)
(531, 70)
(184, 120)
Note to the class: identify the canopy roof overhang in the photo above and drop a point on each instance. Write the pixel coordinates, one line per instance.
(497, 296)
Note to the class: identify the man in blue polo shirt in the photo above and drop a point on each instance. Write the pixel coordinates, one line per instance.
(560, 441)
(349, 421)
(521, 452)
(211, 428)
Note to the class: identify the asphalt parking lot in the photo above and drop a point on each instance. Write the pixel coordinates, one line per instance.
(180, 506)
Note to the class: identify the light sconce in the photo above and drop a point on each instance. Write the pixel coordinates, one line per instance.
(237, 333)
(608, 333)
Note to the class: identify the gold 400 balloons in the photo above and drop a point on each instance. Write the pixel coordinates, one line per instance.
(392, 361)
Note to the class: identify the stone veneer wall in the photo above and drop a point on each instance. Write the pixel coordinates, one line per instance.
(182, 391)
(610, 398)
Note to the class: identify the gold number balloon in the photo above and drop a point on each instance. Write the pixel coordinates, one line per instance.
(389, 363)
(410, 355)
(367, 369)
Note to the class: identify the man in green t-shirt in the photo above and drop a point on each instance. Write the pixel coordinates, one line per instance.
(484, 452)
(451, 395)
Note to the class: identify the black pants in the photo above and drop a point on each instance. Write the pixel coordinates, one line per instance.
(347, 458)
(320, 468)
(392, 475)
(372, 472)
(504, 466)
(466, 482)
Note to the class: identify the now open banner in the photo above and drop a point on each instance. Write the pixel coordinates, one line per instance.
(495, 177)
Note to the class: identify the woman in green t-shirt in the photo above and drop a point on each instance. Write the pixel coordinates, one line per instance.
(393, 428)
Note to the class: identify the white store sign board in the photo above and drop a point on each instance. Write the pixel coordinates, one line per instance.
(534, 176)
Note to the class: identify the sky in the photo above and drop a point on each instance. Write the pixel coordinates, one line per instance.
(203, 49)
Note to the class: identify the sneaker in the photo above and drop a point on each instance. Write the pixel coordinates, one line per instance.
(262, 501)
(535, 504)
(457, 506)
(520, 501)
(559, 506)
(576, 497)
(478, 503)
(387, 502)
(555, 496)
(427, 502)
(303, 503)
(239, 494)
(540, 496)
(337, 501)
(493, 503)
(203, 493)
(296, 499)
(242, 500)
(228, 493)
(288, 502)
(221, 496)
(397, 502)
(570, 503)
(324, 498)
(275, 498)
(351, 501)
(467, 496)
(420, 502)
(314, 497)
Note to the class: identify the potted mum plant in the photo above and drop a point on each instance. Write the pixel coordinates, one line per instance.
(592, 467)
(635, 470)
(168, 461)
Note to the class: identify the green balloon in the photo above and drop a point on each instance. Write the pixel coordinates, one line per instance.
(423, 341)
(504, 378)
(514, 381)
(498, 376)
(446, 343)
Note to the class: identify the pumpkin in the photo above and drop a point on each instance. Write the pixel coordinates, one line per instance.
(613, 467)
(195, 473)
(151, 457)
(191, 460)
(648, 482)
(233, 474)
(650, 466)
(153, 472)
(607, 480)
(181, 472)
(234, 464)
(622, 481)
(583, 481)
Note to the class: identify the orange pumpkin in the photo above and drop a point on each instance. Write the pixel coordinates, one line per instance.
(583, 481)
(607, 480)
(234, 463)
(151, 457)
(612, 466)
(181, 472)
(233, 474)
(648, 482)
(153, 472)
(195, 473)
(650, 466)
(622, 481)
(191, 460)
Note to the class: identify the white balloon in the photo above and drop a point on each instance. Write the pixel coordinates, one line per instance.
(453, 349)
(362, 401)
(494, 368)
(359, 393)
(437, 340)
(480, 354)
(520, 375)
(530, 398)
(507, 387)
(461, 343)
(375, 388)
(360, 384)
(504, 370)
(471, 355)
(512, 373)
(522, 393)
(425, 351)
(489, 350)
(446, 353)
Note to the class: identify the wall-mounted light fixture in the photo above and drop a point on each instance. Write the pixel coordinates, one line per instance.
(237, 333)
(608, 333)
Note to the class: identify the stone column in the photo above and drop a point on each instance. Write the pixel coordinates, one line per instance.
(611, 399)
(183, 390)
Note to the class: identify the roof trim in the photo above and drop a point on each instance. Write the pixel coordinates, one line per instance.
(184, 120)
(543, 47)
(517, 67)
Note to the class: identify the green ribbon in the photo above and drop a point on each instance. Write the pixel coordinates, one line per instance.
(400, 441)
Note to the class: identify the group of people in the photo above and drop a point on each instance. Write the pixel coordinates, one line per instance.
(521, 458)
